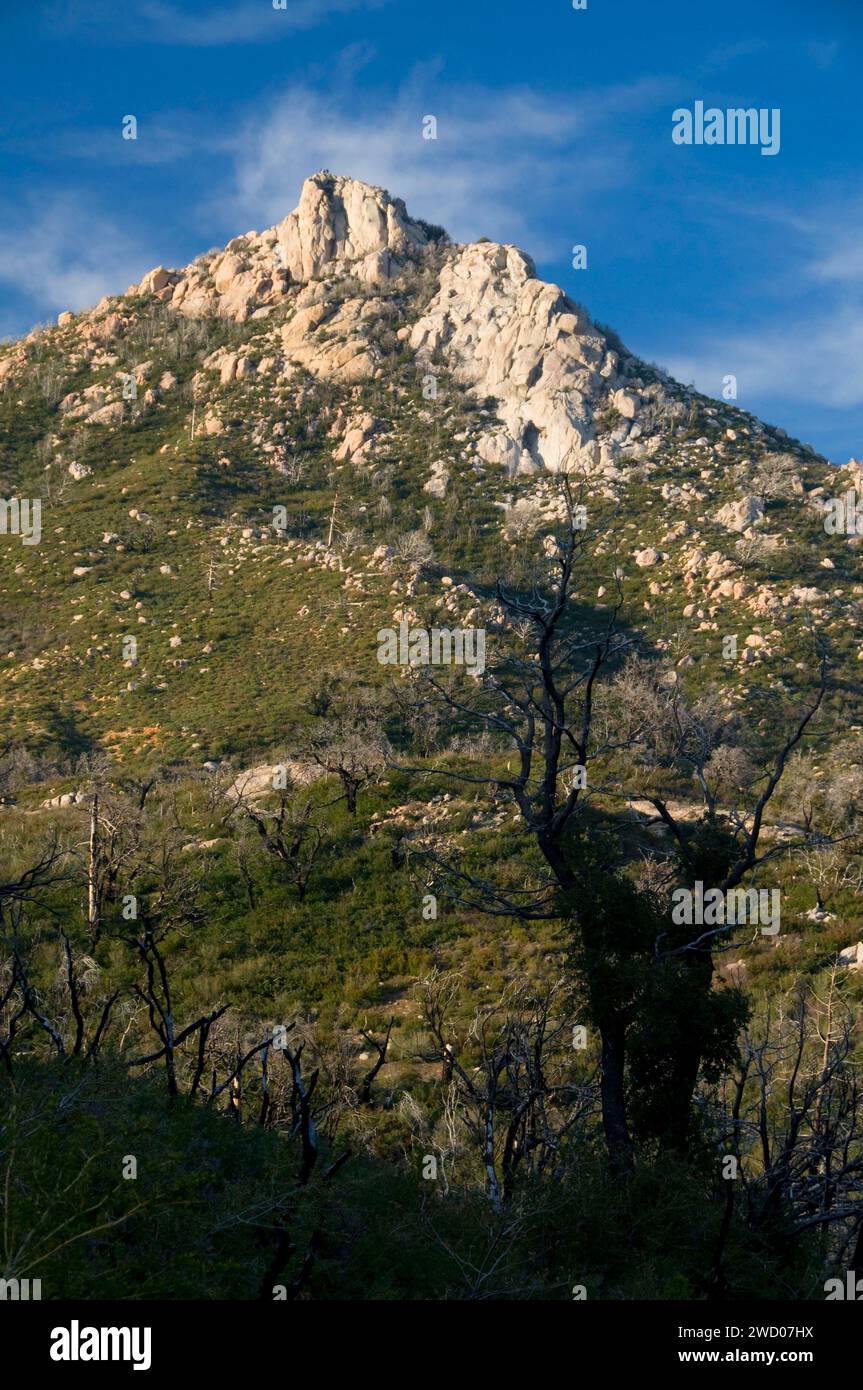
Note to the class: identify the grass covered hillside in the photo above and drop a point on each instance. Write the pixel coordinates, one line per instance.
(344, 977)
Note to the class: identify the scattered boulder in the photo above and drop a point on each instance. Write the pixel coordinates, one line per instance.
(56, 802)
(357, 439)
(436, 485)
(740, 515)
(110, 414)
(625, 403)
(501, 449)
(852, 956)
(213, 423)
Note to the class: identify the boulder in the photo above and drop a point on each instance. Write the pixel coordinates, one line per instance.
(501, 449)
(852, 956)
(156, 280)
(357, 438)
(437, 483)
(740, 515)
(110, 414)
(626, 403)
(213, 424)
(67, 799)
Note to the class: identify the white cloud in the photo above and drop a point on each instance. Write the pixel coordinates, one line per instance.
(823, 54)
(815, 360)
(65, 256)
(503, 161)
(206, 24)
(841, 263)
(501, 167)
(811, 263)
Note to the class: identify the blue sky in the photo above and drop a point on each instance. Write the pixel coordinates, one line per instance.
(554, 129)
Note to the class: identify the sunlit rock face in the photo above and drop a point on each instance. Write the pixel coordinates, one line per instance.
(506, 334)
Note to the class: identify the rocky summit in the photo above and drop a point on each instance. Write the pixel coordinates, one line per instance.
(228, 458)
(499, 330)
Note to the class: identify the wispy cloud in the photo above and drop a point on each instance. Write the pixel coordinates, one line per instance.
(163, 138)
(497, 168)
(799, 342)
(501, 165)
(823, 54)
(843, 263)
(836, 248)
(816, 359)
(727, 54)
(205, 25)
(64, 255)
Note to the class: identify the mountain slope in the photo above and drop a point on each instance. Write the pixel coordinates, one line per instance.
(235, 461)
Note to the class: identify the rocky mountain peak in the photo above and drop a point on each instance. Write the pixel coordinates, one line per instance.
(341, 219)
(348, 289)
(504, 333)
(338, 224)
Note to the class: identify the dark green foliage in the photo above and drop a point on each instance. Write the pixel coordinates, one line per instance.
(202, 1218)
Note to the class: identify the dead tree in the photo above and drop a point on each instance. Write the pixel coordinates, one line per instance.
(113, 854)
(20, 998)
(556, 701)
(290, 834)
(364, 1093)
(348, 744)
(155, 994)
(517, 1088)
(29, 888)
(721, 850)
(793, 1121)
(538, 700)
(93, 910)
